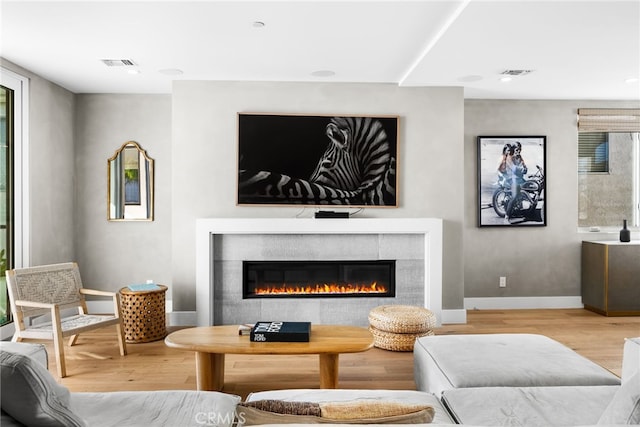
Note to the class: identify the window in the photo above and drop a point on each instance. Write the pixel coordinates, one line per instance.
(608, 167)
(13, 182)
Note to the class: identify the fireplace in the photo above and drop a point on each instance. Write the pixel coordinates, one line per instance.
(222, 244)
(319, 279)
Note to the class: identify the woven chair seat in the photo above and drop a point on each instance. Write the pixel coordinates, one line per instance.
(73, 323)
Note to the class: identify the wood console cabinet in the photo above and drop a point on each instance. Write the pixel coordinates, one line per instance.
(611, 277)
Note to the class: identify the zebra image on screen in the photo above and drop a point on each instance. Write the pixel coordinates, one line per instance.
(357, 169)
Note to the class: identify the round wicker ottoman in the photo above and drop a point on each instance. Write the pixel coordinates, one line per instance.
(396, 327)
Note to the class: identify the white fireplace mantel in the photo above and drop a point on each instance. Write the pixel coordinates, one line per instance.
(207, 228)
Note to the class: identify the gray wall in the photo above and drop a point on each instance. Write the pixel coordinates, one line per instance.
(205, 159)
(537, 261)
(113, 254)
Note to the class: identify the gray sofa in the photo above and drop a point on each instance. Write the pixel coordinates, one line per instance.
(552, 387)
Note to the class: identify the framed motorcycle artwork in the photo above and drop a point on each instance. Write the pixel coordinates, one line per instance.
(511, 181)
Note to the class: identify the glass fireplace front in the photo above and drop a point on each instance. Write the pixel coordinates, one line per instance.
(290, 279)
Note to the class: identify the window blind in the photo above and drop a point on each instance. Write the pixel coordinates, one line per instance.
(593, 152)
(609, 120)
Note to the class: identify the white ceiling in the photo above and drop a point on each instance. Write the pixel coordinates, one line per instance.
(575, 49)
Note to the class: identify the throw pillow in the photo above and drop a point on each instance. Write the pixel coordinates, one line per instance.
(624, 408)
(30, 394)
(369, 409)
(355, 412)
(286, 407)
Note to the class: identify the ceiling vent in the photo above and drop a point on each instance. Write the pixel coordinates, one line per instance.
(119, 62)
(515, 72)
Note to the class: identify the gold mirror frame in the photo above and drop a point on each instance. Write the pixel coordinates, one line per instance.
(130, 184)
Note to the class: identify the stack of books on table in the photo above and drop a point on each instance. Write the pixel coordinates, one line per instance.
(277, 331)
(245, 329)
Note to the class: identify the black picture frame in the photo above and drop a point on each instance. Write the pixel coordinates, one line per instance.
(502, 173)
(279, 156)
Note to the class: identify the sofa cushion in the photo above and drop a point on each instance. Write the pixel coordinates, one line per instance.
(354, 412)
(529, 406)
(624, 408)
(343, 395)
(156, 408)
(286, 407)
(492, 360)
(30, 394)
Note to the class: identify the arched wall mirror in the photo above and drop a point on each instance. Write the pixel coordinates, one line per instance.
(130, 184)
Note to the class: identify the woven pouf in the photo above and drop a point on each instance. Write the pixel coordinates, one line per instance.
(396, 327)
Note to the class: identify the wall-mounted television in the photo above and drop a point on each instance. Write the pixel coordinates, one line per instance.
(317, 160)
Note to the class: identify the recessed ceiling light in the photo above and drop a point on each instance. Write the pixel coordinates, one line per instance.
(133, 71)
(258, 24)
(171, 72)
(516, 72)
(119, 62)
(631, 80)
(506, 79)
(323, 73)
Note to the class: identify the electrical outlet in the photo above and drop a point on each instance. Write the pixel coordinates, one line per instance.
(503, 282)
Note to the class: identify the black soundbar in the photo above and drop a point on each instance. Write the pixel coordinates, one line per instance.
(331, 214)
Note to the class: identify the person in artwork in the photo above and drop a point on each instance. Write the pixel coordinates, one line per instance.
(512, 169)
(517, 168)
(502, 165)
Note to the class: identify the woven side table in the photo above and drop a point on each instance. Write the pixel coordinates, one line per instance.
(396, 327)
(143, 314)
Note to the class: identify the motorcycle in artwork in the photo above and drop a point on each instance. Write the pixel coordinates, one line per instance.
(523, 205)
(511, 181)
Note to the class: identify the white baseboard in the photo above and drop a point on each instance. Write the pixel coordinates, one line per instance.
(188, 318)
(174, 318)
(459, 316)
(512, 303)
(454, 316)
(182, 318)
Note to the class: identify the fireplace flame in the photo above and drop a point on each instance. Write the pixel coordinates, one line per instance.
(321, 288)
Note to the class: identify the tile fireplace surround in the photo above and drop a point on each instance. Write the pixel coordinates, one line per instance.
(223, 243)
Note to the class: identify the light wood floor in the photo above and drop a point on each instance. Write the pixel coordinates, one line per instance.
(94, 364)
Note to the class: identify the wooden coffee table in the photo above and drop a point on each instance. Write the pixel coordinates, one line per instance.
(211, 343)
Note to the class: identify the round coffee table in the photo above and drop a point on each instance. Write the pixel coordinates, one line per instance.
(211, 343)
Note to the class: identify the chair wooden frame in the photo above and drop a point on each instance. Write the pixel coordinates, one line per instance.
(54, 289)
